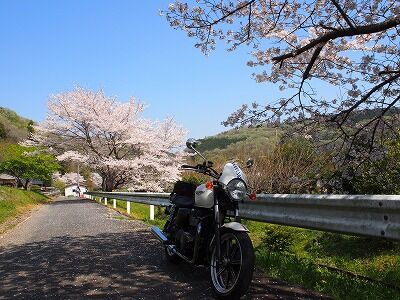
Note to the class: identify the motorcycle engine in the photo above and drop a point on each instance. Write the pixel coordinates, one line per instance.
(184, 239)
(184, 233)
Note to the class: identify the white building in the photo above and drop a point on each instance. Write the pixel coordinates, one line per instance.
(72, 190)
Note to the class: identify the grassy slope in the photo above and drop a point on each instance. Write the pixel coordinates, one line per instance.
(15, 125)
(14, 202)
(229, 142)
(299, 256)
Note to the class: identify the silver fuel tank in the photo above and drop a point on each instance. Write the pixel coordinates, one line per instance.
(203, 197)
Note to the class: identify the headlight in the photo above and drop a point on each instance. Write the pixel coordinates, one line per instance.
(236, 189)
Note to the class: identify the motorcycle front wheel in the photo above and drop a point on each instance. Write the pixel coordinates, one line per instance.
(231, 276)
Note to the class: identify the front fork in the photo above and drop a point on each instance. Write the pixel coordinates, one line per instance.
(217, 218)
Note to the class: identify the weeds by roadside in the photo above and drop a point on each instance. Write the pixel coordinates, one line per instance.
(14, 202)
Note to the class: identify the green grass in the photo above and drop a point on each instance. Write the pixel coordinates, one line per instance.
(14, 202)
(141, 212)
(303, 271)
(322, 261)
(301, 256)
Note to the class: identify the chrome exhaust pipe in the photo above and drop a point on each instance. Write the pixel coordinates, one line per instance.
(159, 234)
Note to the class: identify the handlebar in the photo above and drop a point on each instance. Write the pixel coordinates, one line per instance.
(202, 168)
(189, 167)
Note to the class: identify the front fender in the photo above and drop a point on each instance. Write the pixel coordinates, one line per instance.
(235, 226)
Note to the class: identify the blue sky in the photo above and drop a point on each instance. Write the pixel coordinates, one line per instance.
(125, 48)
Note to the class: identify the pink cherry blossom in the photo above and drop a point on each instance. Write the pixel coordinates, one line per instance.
(123, 148)
(330, 58)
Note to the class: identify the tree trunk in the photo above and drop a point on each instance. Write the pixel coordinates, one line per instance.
(107, 184)
(19, 182)
(26, 184)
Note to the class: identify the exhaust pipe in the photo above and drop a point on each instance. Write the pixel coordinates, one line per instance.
(159, 234)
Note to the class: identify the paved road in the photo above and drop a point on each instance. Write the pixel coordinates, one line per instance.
(77, 248)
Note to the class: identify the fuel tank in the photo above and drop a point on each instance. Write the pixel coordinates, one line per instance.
(203, 197)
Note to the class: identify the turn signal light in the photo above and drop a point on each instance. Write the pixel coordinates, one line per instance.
(252, 196)
(209, 185)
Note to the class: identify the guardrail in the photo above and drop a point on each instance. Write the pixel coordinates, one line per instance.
(51, 193)
(369, 215)
(159, 199)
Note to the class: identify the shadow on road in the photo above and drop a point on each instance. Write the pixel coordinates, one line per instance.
(113, 265)
(107, 265)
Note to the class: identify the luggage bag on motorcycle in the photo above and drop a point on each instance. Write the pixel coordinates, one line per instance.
(183, 194)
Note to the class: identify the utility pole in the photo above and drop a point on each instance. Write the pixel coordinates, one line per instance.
(77, 182)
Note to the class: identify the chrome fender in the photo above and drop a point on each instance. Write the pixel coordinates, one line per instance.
(235, 226)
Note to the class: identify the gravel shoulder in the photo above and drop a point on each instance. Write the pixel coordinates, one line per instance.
(74, 248)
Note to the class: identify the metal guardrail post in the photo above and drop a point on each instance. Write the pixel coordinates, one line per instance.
(152, 212)
(128, 207)
(105, 201)
(114, 203)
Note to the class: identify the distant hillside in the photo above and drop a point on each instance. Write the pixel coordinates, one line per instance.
(229, 142)
(234, 141)
(13, 127)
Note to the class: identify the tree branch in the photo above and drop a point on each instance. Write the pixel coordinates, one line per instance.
(312, 61)
(364, 98)
(209, 24)
(343, 14)
(339, 32)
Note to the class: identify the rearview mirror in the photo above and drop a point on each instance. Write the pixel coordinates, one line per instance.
(191, 143)
(250, 162)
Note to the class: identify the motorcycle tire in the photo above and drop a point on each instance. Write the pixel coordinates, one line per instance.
(237, 265)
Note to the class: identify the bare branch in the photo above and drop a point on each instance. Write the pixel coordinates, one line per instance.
(230, 13)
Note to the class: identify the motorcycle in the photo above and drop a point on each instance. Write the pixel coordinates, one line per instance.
(200, 229)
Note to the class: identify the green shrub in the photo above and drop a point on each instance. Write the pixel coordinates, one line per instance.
(193, 178)
(35, 188)
(3, 131)
(277, 239)
(59, 185)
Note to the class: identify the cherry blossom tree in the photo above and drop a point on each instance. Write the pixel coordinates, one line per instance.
(96, 179)
(350, 47)
(111, 137)
(68, 178)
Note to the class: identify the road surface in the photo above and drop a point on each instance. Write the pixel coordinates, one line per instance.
(74, 248)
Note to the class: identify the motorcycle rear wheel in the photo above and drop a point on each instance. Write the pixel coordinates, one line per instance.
(231, 277)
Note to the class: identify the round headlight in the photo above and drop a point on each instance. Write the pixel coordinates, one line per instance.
(236, 189)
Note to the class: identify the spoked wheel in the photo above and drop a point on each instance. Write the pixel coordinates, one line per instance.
(231, 276)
